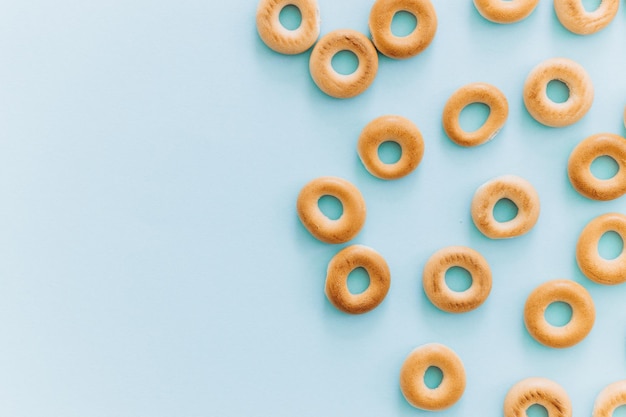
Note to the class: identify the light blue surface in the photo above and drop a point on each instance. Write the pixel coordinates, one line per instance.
(151, 153)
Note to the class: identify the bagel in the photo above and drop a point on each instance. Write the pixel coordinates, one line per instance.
(327, 230)
(546, 111)
(283, 40)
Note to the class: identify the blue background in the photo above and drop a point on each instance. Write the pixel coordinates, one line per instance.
(152, 263)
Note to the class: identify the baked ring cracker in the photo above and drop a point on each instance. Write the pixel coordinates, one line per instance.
(330, 81)
(475, 93)
(402, 47)
(611, 397)
(546, 111)
(510, 11)
(390, 128)
(414, 368)
(434, 279)
(566, 291)
(542, 391)
(511, 187)
(327, 230)
(281, 39)
(572, 15)
(579, 167)
(346, 261)
(595, 267)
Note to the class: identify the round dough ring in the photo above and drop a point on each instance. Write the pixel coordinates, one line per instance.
(511, 187)
(611, 397)
(570, 292)
(330, 81)
(283, 40)
(572, 15)
(327, 230)
(344, 262)
(402, 47)
(540, 391)
(499, 11)
(596, 268)
(546, 111)
(579, 167)
(475, 93)
(412, 384)
(434, 279)
(396, 129)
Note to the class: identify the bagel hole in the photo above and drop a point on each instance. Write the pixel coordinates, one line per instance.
(537, 410)
(330, 206)
(345, 62)
(389, 152)
(610, 246)
(557, 91)
(620, 411)
(591, 5)
(604, 167)
(433, 377)
(473, 116)
(505, 210)
(290, 17)
(403, 24)
(558, 313)
(458, 279)
(358, 281)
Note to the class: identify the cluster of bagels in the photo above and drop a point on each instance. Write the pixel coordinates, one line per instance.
(571, 14)
(383, 40)
(406, 134)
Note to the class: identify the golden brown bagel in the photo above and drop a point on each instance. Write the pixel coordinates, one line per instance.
(540, 391)
(396, 129)
(511, 187)
(330, 81)
(579, 167)
(346, 261)
(283, 40)
(402, 47)
(475, 93)
(499, 11)
(434, 279)
(412, 385)
(566, 291)
(331, 231)
(595, 267)
(572, 15)
(546, 111)
(611, 397)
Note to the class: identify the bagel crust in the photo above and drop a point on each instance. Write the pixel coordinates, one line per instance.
(579, 167)
(434, 279)
(595, 267)
(475, 93)
(566, 291)
(327, 230)
(542, 391)
(511, 187)
(511, 11)
(402, 47)
(572, 15)
(330, 81)
(346, 261)
(281, 39)
(546, 111)
(611, 397)
(391, 128)
(412, 384)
